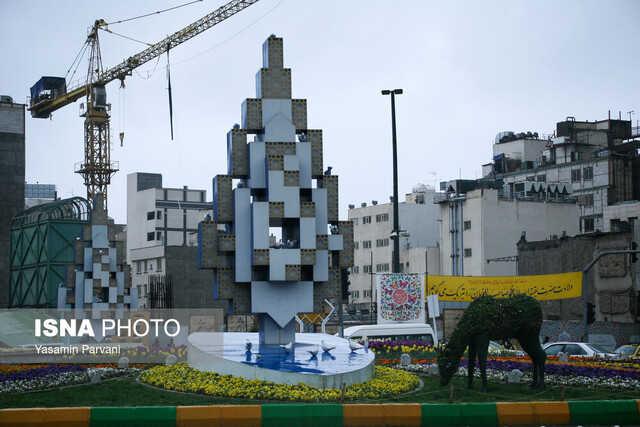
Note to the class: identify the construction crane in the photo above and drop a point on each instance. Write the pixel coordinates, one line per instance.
(51, 93)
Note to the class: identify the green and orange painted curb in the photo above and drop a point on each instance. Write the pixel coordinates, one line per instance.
(417, 414)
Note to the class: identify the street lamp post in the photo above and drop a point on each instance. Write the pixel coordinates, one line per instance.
(395, 233)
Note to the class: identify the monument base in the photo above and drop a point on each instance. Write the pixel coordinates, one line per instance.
(271, 333)
(226, 353)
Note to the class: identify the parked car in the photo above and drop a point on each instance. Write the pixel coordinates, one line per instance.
(577, 349)
(495, 348)
(631, 351)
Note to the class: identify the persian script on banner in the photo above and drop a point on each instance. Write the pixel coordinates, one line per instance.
(542, 287)
(400, 298)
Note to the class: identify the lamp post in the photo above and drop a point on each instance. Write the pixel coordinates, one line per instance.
(395, 233)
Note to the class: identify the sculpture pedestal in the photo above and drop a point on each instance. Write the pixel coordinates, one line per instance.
(271, 333)
(225, 353)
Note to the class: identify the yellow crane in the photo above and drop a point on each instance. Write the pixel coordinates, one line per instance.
(51, 93)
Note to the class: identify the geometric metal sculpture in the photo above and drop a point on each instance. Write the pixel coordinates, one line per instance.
(99, 280)
(275, 184)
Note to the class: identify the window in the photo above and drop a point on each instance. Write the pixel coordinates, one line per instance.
(588, 225)
(366, 244)
(553, 350)
(158, 236)
(366, 220)
(150, 236)
(366, 269)
(382, 217)
(138, 267)
(382, 242)
(355, 294)
(356, 245)
(577, 155)
(159, 215)
(355, 270)
(151, 215)
(585, 200)
(574, 349)
(367, 294)
(588, 173)
(145, 268)
(575, 175)
(619, 225)
(382, 267)
(159, 264)
(355, 221)
(541, 178)
(467, 252)
(467, 225)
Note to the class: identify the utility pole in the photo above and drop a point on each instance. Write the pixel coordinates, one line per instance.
(395, 233)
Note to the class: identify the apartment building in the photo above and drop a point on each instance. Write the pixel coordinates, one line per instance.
(596, 162)
(480, 227)
(373, 224)
(157, 218)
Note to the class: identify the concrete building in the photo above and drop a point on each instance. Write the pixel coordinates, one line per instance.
(481, 226)
(611, 284)
(374, 248)
(157, 218)
(39, 194)
(12, 175)
(595, 161)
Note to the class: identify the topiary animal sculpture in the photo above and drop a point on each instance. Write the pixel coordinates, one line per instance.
(488, 318)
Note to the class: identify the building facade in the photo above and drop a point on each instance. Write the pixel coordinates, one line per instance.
(480, 229)
(12, 175)
(158, 217)
(597, 162)
(39, 194)
(373, 253)
(611, 284)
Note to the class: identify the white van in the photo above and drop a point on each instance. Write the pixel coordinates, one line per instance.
(395, 332)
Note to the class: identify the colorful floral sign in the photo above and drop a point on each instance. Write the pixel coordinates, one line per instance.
(400, 298)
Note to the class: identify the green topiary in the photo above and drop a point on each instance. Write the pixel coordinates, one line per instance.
(488, 318)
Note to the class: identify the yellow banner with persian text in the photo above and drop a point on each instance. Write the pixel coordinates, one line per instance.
(542, 287)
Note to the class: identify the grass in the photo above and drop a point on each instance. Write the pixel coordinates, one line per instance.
(116, 392)
(128, 392)
(433, 392)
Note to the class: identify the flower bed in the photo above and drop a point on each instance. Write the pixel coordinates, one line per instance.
(23, 378)
(181, 377)
(583, 372)
(586, 372)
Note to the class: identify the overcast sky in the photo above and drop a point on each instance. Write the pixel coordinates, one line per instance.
(469, 69)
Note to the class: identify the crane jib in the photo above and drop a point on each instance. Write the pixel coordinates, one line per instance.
(45, 102)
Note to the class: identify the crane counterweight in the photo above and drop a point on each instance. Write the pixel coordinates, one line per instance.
(51, 93)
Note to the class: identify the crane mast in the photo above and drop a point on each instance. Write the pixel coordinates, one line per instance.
(96, 169)
(51, 93)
